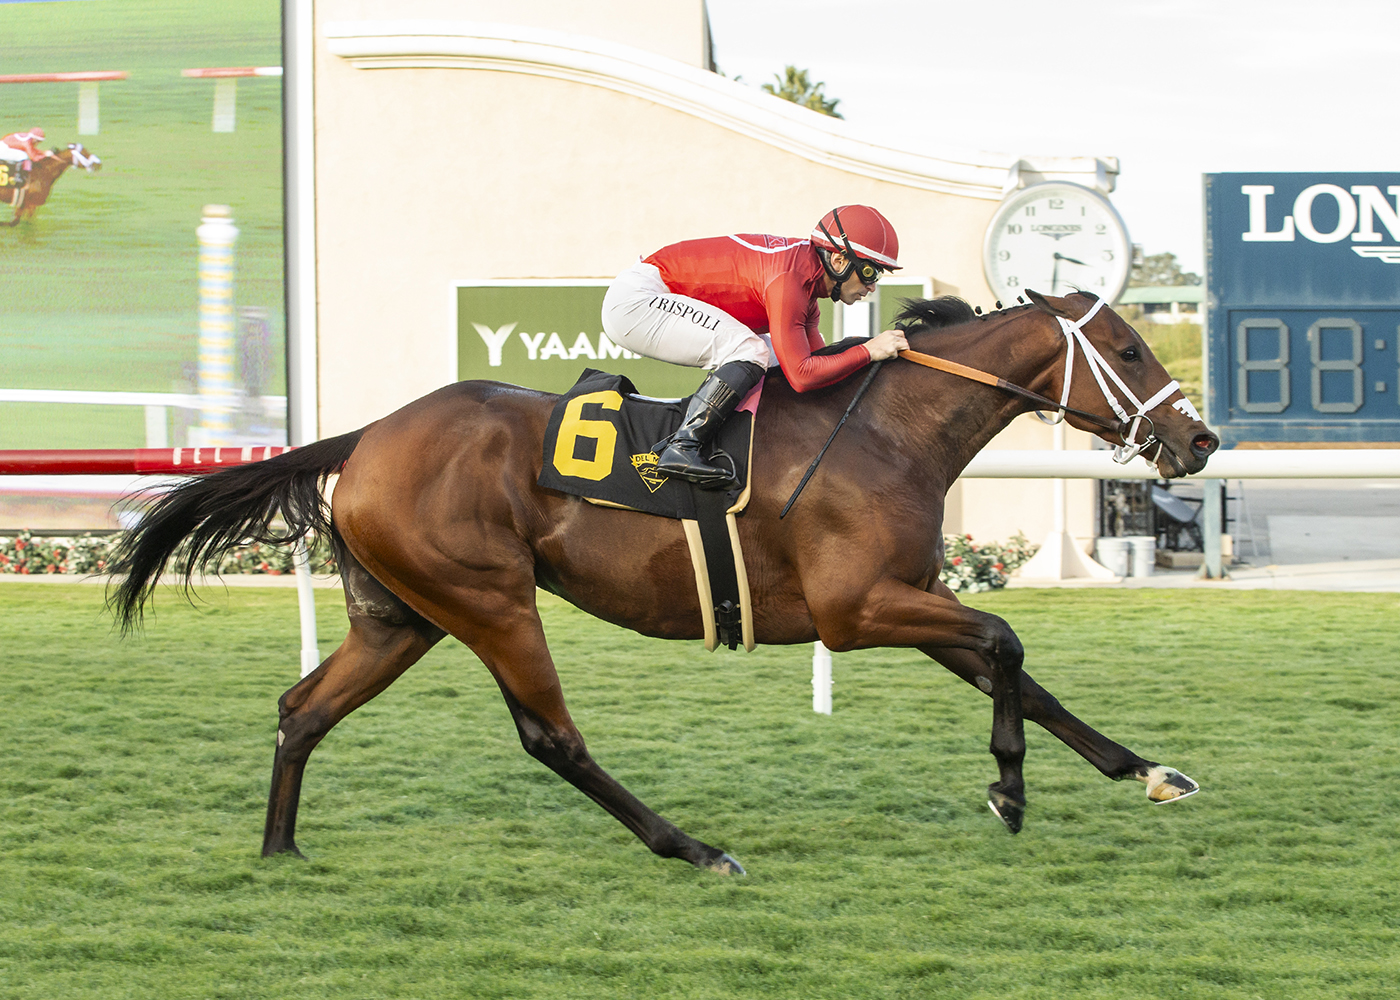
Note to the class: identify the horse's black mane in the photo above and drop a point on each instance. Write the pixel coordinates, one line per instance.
(946, 310)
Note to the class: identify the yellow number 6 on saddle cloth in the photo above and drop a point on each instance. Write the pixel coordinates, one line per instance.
(573, 427)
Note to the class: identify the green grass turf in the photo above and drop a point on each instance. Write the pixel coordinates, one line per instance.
(446, 863)
(100, 288)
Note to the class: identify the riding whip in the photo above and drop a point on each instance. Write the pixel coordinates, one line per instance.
(839, 424)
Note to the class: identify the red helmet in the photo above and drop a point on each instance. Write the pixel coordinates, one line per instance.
(858, 231)
(36, 133)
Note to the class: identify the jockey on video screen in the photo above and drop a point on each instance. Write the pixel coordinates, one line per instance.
(703, 303)
(18, 147)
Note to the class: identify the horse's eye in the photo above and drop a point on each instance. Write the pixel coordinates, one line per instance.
(1131, 354)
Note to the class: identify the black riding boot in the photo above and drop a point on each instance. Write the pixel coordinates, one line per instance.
(679, 455)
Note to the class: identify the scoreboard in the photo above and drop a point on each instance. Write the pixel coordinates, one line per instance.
(1303, 307)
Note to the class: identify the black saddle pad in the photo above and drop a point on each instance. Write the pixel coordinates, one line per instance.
(599, 445)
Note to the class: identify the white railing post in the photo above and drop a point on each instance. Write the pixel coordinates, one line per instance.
(217, 235)
(821, 678)
(88, 122)
(225, 104)
(1212, 515)
(157, 424)
(306, 607)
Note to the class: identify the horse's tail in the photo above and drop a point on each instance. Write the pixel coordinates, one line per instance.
(221, 510)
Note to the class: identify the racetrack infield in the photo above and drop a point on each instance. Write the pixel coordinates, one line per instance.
(446, 863)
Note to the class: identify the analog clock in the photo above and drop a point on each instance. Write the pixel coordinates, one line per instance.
(1056, 237)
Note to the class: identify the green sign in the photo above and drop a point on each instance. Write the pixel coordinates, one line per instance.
(543, 335)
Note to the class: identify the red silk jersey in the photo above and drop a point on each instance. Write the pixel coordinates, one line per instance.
(772, 285)
(23, 141)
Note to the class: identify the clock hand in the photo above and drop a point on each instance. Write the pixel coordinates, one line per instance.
(1060, 256)
(1055, 275)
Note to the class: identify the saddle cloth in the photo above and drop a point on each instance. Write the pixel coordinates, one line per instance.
(598, 446)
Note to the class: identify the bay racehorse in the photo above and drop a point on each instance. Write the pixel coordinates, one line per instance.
(440, 528)
(26, 200)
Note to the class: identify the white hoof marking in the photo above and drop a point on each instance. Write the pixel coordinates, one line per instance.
(1167, 784)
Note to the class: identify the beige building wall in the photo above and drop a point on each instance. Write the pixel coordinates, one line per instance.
(447, 152)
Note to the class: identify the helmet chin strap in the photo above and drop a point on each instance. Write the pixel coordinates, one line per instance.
(850, 254)
(837, 279)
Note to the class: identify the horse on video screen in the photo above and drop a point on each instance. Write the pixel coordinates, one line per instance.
(440, 528)
(26, 200)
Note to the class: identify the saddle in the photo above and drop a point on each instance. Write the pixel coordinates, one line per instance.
(598, 446)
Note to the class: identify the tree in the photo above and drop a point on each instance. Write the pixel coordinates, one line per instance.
(793, 85)
(1161, 269)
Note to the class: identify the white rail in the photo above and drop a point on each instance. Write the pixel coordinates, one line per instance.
(1299, 463)
(183, 400)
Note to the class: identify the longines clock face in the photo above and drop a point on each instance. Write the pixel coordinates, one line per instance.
(1056, 238)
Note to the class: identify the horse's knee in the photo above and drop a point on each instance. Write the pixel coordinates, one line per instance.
(1003, 647)
(300, 726)
(554, 749)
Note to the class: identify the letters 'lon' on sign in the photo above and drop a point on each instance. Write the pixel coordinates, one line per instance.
(1303, 291)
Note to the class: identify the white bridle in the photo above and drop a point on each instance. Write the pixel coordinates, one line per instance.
(1127, 451)
(81, 160)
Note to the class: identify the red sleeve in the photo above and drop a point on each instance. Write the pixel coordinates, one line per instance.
(814, 335)
(791, 325)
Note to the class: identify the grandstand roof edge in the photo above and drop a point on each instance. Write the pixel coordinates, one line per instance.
(431, 44)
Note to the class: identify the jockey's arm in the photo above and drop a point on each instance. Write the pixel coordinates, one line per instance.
(791, 325)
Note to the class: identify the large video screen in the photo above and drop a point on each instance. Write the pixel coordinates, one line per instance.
(141, 234)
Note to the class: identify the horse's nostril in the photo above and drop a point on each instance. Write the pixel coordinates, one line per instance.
(1204, 444)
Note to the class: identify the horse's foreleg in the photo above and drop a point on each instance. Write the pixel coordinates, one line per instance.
(519, 660)
(895, 614)
(1112, 759)
(385, 639)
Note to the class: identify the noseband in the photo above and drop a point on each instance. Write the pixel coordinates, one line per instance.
(1126, 427)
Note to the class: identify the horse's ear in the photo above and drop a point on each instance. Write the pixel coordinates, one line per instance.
(1043, 304)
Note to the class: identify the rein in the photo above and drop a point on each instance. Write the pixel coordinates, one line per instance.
(1127, 425)
(977, 375)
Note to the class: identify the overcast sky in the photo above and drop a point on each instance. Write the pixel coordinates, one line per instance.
(1173, 88)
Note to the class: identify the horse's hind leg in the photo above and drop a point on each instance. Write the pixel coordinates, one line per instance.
(1114, 760)
(505, 631)
(386, 638)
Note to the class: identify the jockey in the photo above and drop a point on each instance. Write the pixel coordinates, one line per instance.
(703, 303)
(17, 147)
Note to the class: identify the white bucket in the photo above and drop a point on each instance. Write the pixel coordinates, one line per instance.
(1144, 549)
(1113, 554)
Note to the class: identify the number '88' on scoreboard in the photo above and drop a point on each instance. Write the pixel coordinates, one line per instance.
(1303, 286)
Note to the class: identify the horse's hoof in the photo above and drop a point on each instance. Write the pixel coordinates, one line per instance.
(1167, 784)
(725, 865)
(1007, 810)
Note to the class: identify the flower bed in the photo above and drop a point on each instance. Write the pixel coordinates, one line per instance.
(970, 568)
(86, 555)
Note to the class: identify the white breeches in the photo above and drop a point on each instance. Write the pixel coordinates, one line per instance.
(642, 315)
(12, 155)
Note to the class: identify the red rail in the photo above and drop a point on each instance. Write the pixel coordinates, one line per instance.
(231, 72)
(82, 77)
(131, 461)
